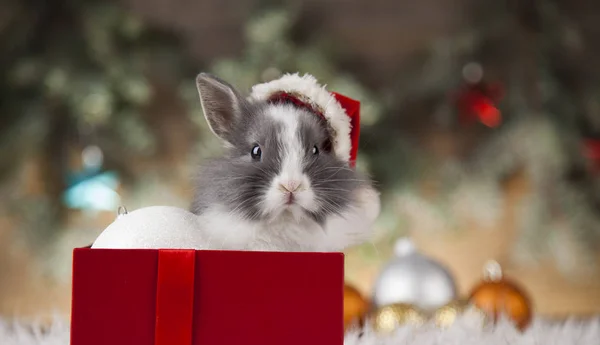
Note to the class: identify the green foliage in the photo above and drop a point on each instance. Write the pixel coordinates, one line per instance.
(72, 74)
(270, 52)
(87, 63)
(550, 103)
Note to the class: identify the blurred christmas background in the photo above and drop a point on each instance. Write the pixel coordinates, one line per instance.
(480, 122)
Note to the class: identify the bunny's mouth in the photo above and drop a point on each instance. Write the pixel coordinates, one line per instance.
(279, 201)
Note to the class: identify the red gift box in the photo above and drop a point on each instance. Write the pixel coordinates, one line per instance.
(188, 297)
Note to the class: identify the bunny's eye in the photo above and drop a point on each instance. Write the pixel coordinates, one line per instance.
(315, 150)
(256, 152)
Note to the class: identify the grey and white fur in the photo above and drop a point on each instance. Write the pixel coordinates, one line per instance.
(279, 187)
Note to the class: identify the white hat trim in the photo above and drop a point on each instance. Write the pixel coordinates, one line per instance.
(317, 96)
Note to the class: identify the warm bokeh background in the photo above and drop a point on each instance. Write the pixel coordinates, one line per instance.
(481, 121)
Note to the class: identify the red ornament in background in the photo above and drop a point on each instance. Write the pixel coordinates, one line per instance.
(591, 150)
(478, 102)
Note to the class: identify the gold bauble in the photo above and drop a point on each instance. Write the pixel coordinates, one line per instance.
(355, 307)
(388, 318)
(497, 295)
(447, 315)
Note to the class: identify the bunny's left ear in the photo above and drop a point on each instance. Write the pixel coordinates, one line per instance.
(221, 105)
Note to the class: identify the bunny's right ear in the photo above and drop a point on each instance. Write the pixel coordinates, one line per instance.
(221, 104)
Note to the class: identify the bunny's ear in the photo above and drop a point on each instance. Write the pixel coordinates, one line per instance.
(221, 104)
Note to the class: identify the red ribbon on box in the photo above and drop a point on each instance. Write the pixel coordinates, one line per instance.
(175, 297)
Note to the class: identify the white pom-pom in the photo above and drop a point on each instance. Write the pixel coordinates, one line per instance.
(152, 227)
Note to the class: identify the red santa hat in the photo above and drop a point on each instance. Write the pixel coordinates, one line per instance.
(341, 113)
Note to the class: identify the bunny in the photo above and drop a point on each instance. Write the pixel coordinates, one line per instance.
(280, 186)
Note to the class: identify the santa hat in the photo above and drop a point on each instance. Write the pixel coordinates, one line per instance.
(341, 113)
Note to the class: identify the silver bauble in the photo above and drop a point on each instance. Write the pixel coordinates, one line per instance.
(414, 279)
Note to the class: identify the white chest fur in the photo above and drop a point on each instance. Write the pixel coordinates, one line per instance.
(223, 230)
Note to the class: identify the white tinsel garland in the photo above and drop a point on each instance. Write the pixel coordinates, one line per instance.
(464, 332)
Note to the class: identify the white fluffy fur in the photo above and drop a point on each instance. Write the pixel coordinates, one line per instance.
(463, 332)
(292, 234)
(13, 332)
(308, 86)
(468, 331)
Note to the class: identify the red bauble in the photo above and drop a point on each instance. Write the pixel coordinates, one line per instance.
(591, 150)
(478, 102)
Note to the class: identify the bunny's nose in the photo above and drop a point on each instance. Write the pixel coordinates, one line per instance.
(290, 186)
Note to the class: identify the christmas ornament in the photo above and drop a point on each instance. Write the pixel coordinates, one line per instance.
(152, 227)
(477, 100)
(497, 295)
(355, 307)
(91, 188)
(415, 279)
(472, 72)
(447, 315)
(591, 150)
(387, 318)
(341, 113)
